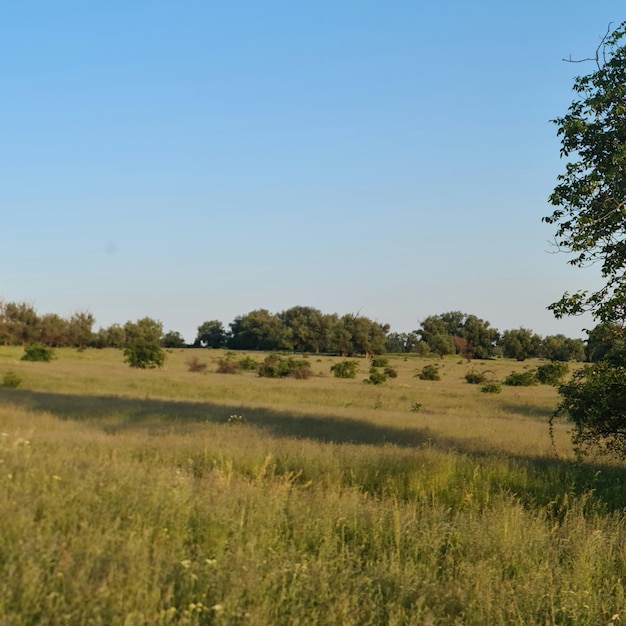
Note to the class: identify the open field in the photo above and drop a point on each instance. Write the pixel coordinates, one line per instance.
(127, 497)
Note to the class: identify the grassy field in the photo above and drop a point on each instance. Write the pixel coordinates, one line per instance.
(170, 497)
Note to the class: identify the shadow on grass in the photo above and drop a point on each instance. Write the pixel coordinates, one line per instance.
(537, 481)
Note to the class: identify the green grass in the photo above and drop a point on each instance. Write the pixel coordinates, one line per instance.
(126, 497)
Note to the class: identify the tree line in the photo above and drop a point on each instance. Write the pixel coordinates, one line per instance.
(303, 329)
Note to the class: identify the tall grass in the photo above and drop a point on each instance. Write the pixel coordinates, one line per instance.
(125, 500)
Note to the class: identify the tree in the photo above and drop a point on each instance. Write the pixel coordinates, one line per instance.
(590, 197)
(520, 344)
(144, 354)
(259, 330)
(436, 334)
(173, 339)
(590, 220)
(562, 348)
(145, 330)
(211, 334)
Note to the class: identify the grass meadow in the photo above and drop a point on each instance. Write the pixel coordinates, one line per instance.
(171, 497)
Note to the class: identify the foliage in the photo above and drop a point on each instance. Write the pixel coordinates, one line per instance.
(376, 377)
(429, 372)
(345, 369)
(520, 344)
(275, 366)
(38, 352)
(211, 334)
(594, 400)
(607, 342)
(403, 343)
(562, 348)
(474, 377)
(247, 364)
(492, 387)
(590, 197)
(391, 372)
(417, 407)
(380, 361)
(195, 365)
(144, 354)
(227, 365)
(258, 330)
(11, 380)
(145, 331)
(521, 379)
(173, 339)
(551, 373)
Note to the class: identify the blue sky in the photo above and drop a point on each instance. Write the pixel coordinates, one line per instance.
(197, 160)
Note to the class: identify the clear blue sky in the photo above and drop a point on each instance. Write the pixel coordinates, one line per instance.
(196, 160)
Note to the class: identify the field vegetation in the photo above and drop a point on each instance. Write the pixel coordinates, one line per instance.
(183, 495)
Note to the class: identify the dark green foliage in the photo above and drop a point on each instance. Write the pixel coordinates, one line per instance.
(345, 369)
(275, 366)
(402, 342)
(247, 364)
(475, 378)
(380, 361)
(562, 348)
(144, 354)
(38, 352)
(521, 379)
(211, 334)
(491, 388)
(520, 344)
(391, 372)
(11, 380)
(429, 372)
(551, 373)
(607, 342)
(594, 400)
(376, 377)
(417, 407)
(173, 339)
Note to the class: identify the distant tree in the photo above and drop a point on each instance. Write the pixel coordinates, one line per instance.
(80, 329)
(173, 339)
(145, 330)
(259, 330)
(562, 348)
(521, 344)
(435, 333)
(53, 330)
(38, 352)
(211, 334)
(606, 342)
(481, 337)
(19, 323)
(402, 342)
(308, 328)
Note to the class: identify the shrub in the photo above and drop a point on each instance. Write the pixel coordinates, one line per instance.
(247, 364)
(280, 367)
(521, 379)
(195, 365)
(475, 378)
(345, 369)
(391, 372)
(376, 377)
(11, 380)
(552, 373)
(38, 352)
(429, 372)
(380, 361)
(417, 407)
(491, 388)
(144, 355)
(227, 366)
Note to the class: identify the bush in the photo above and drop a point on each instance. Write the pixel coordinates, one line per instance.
(38, 352)
(521, 379)
(247, 364)
(475, 378)
(227, 366)
(345, 369)
(391, 372)
(376, 377)
(280, 367)
(195, 365)
(429, 372)
(11, 380)
(380, 361)
(594, 400)
(552, 373)
(491, 388)
(144, 355)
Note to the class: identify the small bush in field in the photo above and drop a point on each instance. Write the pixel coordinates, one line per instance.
(475, 378)
(11, 380)
(195, 365)
(392, 372)
(429, 372)
(144, 355)
(380, 361)
(491, 388)
(376, 377)
(247, 364)
(417, 407)
(552, 373)
(38, 352)
(345, 369)
(275, 366)
(521, 379)
(227, 366)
